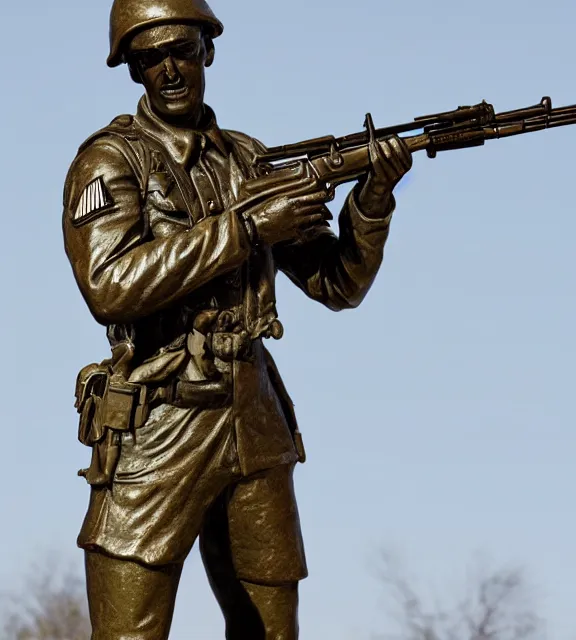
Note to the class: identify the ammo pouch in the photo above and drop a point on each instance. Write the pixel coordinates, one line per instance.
(108, 407)
(230, 346)
(229, 340)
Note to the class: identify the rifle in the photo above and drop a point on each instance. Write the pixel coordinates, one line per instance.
(334, 161)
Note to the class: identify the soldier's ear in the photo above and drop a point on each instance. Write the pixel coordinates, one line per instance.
(210, 51)
(135, 74)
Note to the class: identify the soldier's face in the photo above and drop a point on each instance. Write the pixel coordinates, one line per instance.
(170, 60)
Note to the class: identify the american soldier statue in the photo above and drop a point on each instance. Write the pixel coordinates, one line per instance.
(193, 434)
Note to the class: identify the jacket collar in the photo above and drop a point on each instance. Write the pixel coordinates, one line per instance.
(181, 142)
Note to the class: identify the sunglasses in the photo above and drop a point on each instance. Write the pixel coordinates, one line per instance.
(148, 58)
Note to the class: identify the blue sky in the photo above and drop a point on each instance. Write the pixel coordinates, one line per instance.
(438, 417)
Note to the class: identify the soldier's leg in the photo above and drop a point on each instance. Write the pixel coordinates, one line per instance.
(252, 548)
(277, 608)
(130, 601)
(254, 611)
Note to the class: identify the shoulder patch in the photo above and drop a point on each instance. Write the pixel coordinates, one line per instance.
(94, 199)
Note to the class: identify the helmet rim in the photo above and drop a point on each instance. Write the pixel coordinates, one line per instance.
(193, 12)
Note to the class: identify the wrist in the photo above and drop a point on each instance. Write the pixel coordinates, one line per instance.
(373, 203)
(369, 190)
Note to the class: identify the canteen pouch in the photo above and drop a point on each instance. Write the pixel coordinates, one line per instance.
(108, 407)
(90, 389)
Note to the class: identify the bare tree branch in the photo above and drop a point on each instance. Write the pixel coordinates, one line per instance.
(497, 606)
(52, 606)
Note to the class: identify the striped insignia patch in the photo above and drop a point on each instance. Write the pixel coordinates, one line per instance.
(94, 198)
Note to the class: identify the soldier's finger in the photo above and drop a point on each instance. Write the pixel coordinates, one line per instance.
(308, 209)
(311, 220)
(312, 198)
(321, 211)
(392, 158)
(382, 165)
(401, 152)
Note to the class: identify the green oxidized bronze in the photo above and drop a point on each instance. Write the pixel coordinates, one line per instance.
(175, 230)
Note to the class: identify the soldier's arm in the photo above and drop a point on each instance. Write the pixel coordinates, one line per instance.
(338, 271)
(123, 272)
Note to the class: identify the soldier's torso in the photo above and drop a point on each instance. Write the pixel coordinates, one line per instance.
(214, 168)
(214, 332)
(215, 178)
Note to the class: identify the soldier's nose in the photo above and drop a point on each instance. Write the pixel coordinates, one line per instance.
(170, 68)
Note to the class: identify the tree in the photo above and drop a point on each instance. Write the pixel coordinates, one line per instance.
(51, 606)
(496, 605)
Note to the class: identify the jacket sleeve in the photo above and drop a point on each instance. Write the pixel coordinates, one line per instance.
(338, 271)
(123, 273)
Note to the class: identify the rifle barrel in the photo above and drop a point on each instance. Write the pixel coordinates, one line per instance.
(481, 114)
(559, 111)
(541, 109)
(463, 127)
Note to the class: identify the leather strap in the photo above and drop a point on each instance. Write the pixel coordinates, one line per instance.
(180, 175)
(186, 395)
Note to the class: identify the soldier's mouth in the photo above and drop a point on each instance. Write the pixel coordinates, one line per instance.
(175, 91)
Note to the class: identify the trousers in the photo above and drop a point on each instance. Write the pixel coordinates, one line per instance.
(249, 523)
(173, 475)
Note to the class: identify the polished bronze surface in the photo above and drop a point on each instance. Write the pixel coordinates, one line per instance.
(175, 230)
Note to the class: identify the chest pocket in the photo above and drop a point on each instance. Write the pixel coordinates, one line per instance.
(164, 204)
(172, 195)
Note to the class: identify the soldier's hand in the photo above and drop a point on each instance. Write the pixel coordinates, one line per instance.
(289, 217)
(390, 160)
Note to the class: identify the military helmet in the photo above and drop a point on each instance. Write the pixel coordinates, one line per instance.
(130, 16)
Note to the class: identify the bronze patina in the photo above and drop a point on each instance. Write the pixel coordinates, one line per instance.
(175, 230)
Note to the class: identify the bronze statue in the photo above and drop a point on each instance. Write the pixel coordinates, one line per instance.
(175, 230)
(192, 431)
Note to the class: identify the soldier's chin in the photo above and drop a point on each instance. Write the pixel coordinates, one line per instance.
(182, 107)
